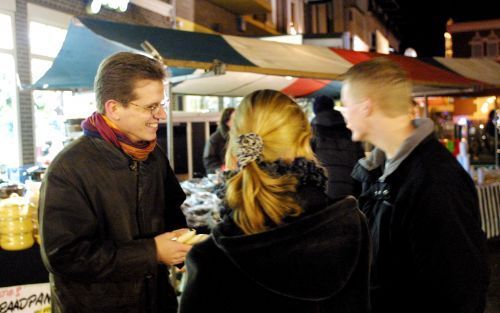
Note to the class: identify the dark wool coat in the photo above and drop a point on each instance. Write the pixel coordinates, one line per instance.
(318, 262)
(336, 152)
(99, 212)
(214, 152)
(428, 246)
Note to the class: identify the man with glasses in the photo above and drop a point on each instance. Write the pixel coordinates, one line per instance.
(422, 207)
(110, 202)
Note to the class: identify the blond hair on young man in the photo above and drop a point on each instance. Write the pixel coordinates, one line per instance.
(385, 82)
(254, 195)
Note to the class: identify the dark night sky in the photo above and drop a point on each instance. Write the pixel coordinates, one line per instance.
(422, 23)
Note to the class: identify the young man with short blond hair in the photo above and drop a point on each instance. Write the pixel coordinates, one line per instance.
(422, 207)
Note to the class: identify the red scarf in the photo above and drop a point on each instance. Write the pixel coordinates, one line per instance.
(98, 125)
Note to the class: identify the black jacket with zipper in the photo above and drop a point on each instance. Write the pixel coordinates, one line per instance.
(429, 252)
(99, 212)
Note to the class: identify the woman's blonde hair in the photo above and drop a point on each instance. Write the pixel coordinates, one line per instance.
(255, 196)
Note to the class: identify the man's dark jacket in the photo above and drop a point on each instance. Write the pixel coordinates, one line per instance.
(316, 263)
(214, 152)
(99, 213)
(428, 246)
(336, 152)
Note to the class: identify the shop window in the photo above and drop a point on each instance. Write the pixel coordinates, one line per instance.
(319, 18)
(49, 106)
(55, 116)
(8, 95)
(477, 51)
(46, 40)
(6, 40)
(8, 112)
(492, 49)
(38, 68)
(205, 104)
(477, 46)
(201, 104)
(492, 45)
(295, 17)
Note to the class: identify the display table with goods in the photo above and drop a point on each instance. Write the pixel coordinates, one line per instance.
(24, 283)
(487, 180)
(488, 190)
(202, 205)
(202, 211)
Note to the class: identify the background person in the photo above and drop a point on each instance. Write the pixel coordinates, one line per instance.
(215, 148)
(285, 247)
(422, 207)
(491, 124)
(109, 203)
(334, 148)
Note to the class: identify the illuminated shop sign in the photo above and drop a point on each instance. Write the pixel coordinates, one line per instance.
(94, 6)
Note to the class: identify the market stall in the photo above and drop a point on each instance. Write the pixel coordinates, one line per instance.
(219, 65)
(247, 64)
(488, 189)
(23, 277)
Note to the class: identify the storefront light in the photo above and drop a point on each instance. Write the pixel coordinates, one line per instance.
(95, 6)
(462, 121)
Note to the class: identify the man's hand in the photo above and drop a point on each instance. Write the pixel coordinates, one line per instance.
(171, 252)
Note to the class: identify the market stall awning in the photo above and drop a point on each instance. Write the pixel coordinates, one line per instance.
(250, 64)
(81, 53)
(239, 54)
(421, 73)
(480, 69)
(76, 64)
(234, 84)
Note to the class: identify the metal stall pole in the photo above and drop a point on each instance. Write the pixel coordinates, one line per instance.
(168, 85)
(217, 68)
(426, 109)
(497, 126)
(170, 125)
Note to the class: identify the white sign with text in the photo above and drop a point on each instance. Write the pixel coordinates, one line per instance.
(25, 298)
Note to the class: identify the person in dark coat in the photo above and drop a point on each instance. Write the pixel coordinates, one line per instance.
(215, 148)
(491, 131)
(429, 252)
(334, 148)
(110, 202)
(285, 246)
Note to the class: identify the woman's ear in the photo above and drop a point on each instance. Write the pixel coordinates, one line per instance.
(112, 109)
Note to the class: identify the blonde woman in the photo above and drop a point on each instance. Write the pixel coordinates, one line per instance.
(285, 247)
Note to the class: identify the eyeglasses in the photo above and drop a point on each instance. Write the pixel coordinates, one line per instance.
(154, 108)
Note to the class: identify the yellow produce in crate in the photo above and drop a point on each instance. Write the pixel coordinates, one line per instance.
(16, 225)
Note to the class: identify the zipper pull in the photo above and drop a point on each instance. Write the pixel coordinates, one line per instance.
(133, 166)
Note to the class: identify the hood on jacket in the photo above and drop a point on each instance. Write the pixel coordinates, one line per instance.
(311, 258)
(322, 103)
(423, 128)
(329, 119)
